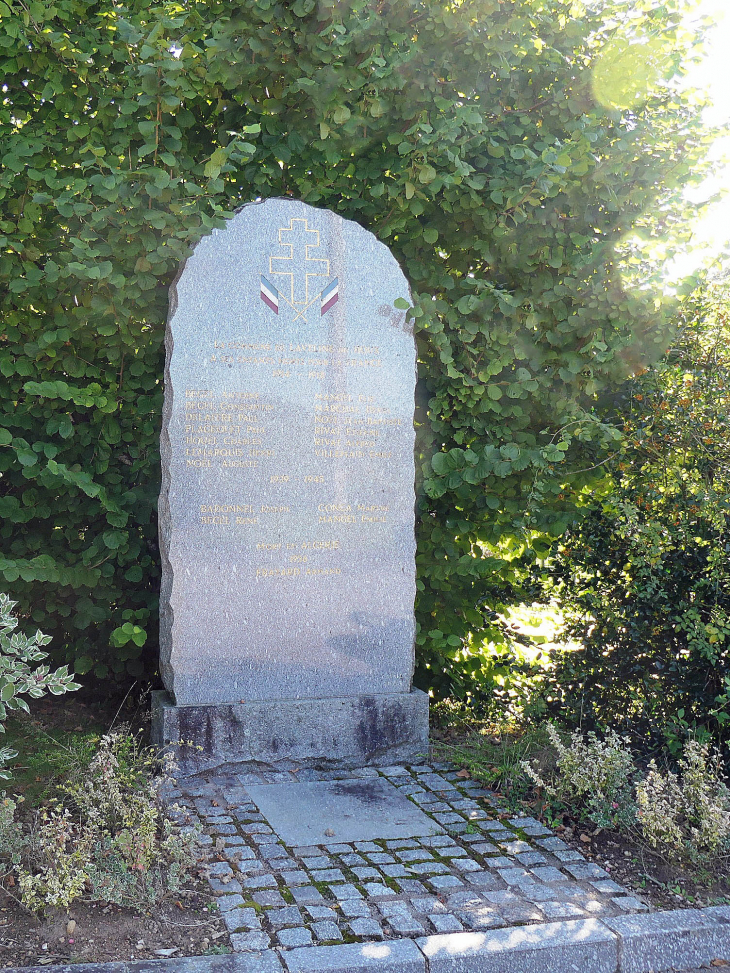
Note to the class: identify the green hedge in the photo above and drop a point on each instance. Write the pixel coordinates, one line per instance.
(468, 137)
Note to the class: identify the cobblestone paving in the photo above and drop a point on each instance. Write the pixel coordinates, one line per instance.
(487, 870)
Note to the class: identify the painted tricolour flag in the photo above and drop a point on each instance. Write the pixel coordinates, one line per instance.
(330, 295)
(269, 295)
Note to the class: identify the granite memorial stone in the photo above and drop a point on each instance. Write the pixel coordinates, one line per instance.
(287, 504)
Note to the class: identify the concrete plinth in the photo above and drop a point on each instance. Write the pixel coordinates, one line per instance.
(338, 731)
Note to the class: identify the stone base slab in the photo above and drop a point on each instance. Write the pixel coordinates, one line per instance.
(339, 731)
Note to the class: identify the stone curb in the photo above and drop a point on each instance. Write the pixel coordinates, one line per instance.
(647, 943)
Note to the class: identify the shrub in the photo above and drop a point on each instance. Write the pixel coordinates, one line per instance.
(593, 777)
(644, 578)
(687, 816)
(109, 838)
(17, 678)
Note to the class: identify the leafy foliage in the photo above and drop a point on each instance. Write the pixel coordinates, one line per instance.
(17, 678)
(110, 837)
(646, 576)
(494, 145)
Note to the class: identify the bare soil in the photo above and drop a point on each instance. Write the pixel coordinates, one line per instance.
(186, 926)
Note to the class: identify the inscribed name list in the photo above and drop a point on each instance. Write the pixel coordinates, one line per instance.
(287, 505)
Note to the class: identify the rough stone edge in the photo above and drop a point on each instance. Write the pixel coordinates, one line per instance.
(268, 962)
(389, 956)
(166, 613)
(699, 929)
(574, 944)
(681, 940)
(262, 731)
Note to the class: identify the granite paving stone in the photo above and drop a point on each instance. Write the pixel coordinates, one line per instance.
(248, 866)
(366, 928)
(346, 891)
(561, 910)
(327, 875)
(427, 903)
(355, 907)
(249, 942)
(571, 855)
(294, 878)
(394, 871)
(298, 936)
(500, 861)
(549, 874)
(258, 882)
(227, 902)
(608, 887)
(445, 923)
(219, 869)
(428, 868)
(438, 841)
(269, 898)
(586, 870)
(319, 862)
(326, 931)
(376, 889)
(412, 855)
(629, 903)
(366, 872)
(410, 886)
(288, 916)
(466, 865)
(224, 886)
(238, 919)
(514, 847)
(306, 895)
(439, 883)
(321, 912)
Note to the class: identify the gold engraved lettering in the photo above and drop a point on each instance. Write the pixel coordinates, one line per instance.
(279, 479)
(314, 479)
(200, 440)
(226, 508)
(340, 453)
(198, 463)
(280, 508)
(278, 572)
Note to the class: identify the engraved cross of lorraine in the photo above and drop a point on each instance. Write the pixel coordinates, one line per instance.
(298, 266)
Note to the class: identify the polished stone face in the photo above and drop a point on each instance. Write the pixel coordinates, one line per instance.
(287, 508)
